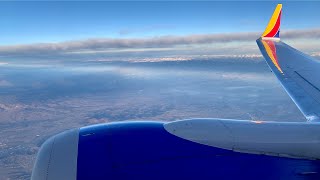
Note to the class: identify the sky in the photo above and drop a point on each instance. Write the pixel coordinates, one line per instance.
(31, 22)
(85, 27)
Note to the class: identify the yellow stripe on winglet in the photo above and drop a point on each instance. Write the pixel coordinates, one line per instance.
(273, 20)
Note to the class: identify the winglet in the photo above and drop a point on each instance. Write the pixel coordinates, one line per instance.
(273, 29)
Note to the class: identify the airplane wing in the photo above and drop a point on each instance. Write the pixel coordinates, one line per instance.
(298, 73)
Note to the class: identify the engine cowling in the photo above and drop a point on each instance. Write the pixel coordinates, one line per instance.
(188, 149)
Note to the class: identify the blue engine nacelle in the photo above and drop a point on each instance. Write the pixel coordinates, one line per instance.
(145, 150)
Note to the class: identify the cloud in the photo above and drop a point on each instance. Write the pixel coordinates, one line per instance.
(294, 34)
(109, 43)
(5, 83)
(218, 42)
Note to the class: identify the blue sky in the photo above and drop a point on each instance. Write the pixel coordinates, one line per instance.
(148, 30)
(34, 22)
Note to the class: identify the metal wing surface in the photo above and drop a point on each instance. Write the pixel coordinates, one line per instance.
(298, 73)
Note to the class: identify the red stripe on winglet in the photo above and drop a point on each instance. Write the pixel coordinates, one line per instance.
(275, 28)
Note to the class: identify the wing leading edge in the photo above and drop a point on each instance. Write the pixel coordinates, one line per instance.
(298, 73)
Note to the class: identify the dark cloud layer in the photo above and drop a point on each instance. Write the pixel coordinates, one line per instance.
(100, 44)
